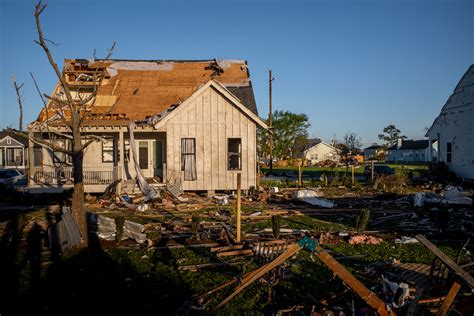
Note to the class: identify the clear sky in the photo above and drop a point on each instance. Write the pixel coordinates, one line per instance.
(350, 65)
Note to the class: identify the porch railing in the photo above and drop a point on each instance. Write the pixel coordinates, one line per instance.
(64, 175)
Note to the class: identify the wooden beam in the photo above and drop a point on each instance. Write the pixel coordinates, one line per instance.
(235, 253)
(239, 201)
(196, 267)
(446, 260)
(444, 309)
(368, 296)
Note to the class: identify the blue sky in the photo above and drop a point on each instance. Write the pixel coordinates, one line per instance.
(350, 65)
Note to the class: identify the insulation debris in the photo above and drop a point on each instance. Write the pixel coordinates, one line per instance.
(103, 227)
(134, 231)
(311, 197)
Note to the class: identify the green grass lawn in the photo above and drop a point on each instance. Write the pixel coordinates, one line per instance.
(399, 168)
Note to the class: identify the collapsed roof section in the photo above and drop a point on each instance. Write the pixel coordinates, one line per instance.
(131, 90)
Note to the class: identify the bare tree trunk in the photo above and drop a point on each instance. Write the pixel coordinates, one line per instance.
(20, 104)
(78, 209)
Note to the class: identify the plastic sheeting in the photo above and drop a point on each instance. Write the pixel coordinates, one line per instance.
(311, 197)
(150, 192)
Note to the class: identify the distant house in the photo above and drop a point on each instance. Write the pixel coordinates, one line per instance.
(13, 150)
(321, 152)
(408, 151)
(194, 122)
(301, 146)
(451, 136)
(373, 152)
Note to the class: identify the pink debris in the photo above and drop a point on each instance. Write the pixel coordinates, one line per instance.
(365, 239)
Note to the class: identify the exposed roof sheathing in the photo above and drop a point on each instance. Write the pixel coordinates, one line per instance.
(135, 90)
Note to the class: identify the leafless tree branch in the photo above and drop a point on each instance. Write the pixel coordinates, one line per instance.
(20, 103)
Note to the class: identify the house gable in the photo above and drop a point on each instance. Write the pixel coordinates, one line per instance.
(211, 118)
(8, 141)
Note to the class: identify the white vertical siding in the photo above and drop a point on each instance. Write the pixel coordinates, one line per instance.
(212, 119)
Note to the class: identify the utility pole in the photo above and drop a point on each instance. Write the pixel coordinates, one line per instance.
(270, 119)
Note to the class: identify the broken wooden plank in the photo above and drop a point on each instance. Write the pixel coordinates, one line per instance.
(444, 309)
(367, 295)
(235, 253)
(446, 260)
(225, 248)
(196, 267)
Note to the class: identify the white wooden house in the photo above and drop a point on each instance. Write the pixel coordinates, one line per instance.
(321, 152)
(13, 151)
(408, 151)
(195, 122)
(451, 136)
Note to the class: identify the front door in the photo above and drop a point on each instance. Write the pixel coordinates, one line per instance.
(150, 157)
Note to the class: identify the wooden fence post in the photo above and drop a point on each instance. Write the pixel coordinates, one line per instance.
(239, 186)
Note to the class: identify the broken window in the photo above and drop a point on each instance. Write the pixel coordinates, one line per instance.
(449, 152)
(234, 152)
(188, 158)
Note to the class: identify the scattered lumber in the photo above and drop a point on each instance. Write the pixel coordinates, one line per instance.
(446, 260)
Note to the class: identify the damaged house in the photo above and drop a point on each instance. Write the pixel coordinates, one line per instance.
(451, 136)
(193, 122)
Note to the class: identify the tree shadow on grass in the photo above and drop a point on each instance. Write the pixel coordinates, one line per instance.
(100, 279)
